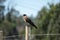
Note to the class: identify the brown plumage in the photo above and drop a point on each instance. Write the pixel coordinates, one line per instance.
(26, 19)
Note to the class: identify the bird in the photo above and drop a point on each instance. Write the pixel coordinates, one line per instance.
(28, 20)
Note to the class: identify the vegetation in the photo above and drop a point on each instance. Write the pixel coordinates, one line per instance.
(47, 21)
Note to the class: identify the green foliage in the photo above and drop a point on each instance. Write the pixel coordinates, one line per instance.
(2, 7)
(48, 22)
(9, 17)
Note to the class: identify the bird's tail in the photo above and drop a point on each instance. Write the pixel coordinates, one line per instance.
(33, 24)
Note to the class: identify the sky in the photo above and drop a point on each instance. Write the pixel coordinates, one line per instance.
(29, 7)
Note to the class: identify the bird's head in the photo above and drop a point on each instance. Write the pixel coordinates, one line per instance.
(24, 14)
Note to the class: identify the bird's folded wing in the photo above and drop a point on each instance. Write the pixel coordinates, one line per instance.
(30, 22)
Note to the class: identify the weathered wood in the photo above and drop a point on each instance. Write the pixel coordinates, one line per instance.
(26, 33)
(1, 35)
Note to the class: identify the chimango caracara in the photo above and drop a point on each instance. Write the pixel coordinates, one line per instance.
(26, 19)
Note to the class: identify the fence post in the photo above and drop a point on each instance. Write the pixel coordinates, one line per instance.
(26, 33)
(1, 35)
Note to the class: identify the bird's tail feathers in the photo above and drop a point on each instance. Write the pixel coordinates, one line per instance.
(33, 25)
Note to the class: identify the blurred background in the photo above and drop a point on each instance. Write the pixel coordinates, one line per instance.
(44, 13)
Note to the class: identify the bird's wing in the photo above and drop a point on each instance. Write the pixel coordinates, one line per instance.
(30, 22)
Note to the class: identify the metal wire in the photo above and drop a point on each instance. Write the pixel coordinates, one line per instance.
(33, 35)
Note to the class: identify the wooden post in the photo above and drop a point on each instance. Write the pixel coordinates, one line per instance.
(26, 33)
(1, 35)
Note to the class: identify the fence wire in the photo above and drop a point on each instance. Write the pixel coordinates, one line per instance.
(31, 37)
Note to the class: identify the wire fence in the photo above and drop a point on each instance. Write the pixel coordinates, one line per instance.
(35, 35)
(31, 37)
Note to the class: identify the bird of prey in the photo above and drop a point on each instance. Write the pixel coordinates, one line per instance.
(26, 19)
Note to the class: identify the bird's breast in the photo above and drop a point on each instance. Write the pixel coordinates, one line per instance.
(25, 18)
